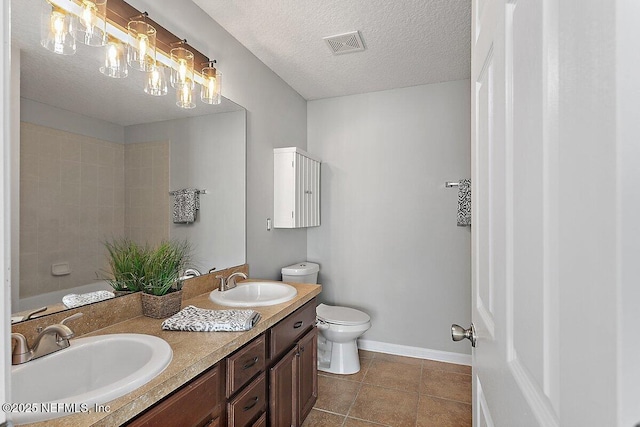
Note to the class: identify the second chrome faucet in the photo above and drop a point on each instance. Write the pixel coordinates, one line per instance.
(230, 282)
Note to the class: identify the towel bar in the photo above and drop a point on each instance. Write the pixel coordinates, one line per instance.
(171, 193)
(449, 184)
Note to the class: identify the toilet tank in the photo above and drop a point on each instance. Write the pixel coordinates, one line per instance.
(303, 272)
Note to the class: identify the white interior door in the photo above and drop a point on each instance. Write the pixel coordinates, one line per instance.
(512, 301)
(555, 172)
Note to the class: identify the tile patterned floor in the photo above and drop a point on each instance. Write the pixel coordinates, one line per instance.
(394, 391)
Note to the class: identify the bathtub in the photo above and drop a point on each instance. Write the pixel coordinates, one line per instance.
(55, 297)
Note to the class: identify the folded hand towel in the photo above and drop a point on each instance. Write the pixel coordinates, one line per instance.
(464, 202)
(76, 300)
(186, 203)
(196, 319)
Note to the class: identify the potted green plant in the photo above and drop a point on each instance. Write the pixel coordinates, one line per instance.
(127, 261)
(161, 287)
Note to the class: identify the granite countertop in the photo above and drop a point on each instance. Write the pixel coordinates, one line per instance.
(193, 353)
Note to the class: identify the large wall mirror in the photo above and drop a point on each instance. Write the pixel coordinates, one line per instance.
(98, 159)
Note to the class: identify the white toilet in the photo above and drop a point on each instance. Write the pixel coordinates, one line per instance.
(339, 327)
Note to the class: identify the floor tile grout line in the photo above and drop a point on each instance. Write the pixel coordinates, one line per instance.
(332, 413)
(354, 402)
(368, 421)
(341, 379)
(445, 398)
(422, 370)
(391, 388)
(419, 388)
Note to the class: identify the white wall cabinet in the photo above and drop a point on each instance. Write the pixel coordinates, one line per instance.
(296, 184)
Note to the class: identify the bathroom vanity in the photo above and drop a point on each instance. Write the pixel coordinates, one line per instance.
(264, 376)
(272, 377)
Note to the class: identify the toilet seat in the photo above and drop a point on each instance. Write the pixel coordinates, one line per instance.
(337, 315)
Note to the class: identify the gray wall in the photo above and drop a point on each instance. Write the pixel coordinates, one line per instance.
(276, 117)
(388, 243)
(57, 118)
(207, 152)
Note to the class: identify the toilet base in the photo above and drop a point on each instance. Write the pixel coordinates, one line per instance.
(344, 358)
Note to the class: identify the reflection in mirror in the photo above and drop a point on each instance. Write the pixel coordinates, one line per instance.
(98, 158)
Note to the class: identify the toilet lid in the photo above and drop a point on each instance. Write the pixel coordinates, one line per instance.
(341, 315)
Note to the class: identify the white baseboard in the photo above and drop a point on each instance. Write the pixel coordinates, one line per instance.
(417, 352)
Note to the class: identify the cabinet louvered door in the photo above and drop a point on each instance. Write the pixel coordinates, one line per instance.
(315, 196)
(296, 189)
(308, 192)
(300, 196)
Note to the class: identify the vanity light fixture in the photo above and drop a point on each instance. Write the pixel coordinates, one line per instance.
(184, 97)
(211, 86)
(130, 39)
(115, 60)
(90, 27)
(141, 48)
(181, 67)
(156, 82)
(55, 30)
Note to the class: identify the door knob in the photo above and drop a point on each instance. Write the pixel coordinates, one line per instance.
(458, 333)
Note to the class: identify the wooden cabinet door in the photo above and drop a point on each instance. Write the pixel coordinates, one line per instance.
(283, 391)
(307, 374)
(194, 405)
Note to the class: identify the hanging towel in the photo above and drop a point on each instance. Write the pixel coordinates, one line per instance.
(186, 203)
(194, 319)
(76, 300)
(464, 202)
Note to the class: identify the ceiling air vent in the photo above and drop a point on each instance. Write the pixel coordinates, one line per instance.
(345, 43)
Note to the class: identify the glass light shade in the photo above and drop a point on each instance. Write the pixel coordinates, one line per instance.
(210, 90)
(182, 67)
(115, 60)
(184, 97)
(156, 81)
(141, 51)
(55, 30)
(90, 27)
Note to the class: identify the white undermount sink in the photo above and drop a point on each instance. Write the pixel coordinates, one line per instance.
(91, 371)
(254, 294)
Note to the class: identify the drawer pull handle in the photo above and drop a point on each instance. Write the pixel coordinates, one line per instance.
(298, 324)
(251, 405)
(251, 363)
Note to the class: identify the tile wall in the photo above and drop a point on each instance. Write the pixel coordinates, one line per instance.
(76, 192)
(146, 171)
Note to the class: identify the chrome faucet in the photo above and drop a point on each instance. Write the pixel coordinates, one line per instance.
(189, 273)
(52, 338)
(230, 283)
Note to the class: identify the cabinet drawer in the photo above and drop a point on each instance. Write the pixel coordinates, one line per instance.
(245, 364)
(249, 404)
(285, 333)
(193, 405)
(262, 421)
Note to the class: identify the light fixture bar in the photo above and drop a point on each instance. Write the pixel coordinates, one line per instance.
(118, 14)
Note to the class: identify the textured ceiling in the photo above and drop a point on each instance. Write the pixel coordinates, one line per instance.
(409, 42)
(75, 84)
